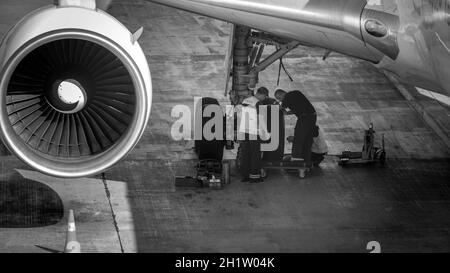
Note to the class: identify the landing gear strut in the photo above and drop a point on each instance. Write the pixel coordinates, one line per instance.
(245, 59)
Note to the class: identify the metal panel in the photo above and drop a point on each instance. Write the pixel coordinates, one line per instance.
(332, 24)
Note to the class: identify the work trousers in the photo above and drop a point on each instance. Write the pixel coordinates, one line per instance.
(303, 137)
(251, 158)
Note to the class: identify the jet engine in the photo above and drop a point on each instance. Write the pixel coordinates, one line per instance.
(75, 89)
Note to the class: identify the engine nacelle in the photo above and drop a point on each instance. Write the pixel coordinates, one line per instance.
(75, 90)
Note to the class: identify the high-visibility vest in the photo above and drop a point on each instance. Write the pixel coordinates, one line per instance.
(249, 123)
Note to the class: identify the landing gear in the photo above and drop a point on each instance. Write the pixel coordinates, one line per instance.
(245, 61)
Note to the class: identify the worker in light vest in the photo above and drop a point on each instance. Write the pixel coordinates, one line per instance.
(252, 130)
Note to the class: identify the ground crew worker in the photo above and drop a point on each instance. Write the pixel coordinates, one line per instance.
(276, 155)
(253, 129)
(302, 108)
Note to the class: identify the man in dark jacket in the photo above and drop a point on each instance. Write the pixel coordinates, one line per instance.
(297, 104)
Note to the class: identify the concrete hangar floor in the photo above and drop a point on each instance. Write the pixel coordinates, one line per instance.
(135, 206)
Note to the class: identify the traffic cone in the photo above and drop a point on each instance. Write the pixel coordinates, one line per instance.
(72, 245)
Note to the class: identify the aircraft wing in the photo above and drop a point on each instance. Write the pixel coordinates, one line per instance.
(332, 24)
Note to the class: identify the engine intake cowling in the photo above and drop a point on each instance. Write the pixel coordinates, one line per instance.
(75, 90)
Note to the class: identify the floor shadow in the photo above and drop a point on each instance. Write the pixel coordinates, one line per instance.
(28, 204)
